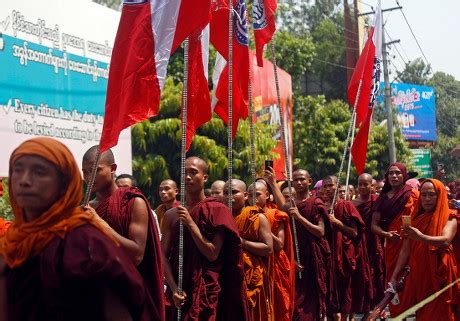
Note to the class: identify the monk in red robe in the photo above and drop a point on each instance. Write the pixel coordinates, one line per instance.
(128, 214)
(351, 266)
(395, 199)
(301, 182)
(428, 251)
(313, 289)
(364, 204)
(62, 262)
(257, 243)
(213, 274)
(283, 255)
(168, 192)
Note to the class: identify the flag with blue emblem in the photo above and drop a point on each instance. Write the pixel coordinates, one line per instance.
(263, 21)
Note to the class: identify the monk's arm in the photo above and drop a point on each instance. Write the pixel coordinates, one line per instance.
(277, 194)
(351, 231)
(377, 230)
(442, 241)
(264, 247)
(165, 245)
(278, 239)
(210, 249)
(316, 230)
(403, 259)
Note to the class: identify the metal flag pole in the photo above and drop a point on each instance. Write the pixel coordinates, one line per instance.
(230, 103)
(285, 152)
(180, 276)
(347, 180)
(92, 177)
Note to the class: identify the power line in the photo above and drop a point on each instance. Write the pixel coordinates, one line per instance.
(412, 32)
(402, 58)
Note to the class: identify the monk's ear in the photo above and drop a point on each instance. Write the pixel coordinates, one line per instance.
(205, 178)
(113, 168)
(310, 181)
(267, 195)
(245, 196)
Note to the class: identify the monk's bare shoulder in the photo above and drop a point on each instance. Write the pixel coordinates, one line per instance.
(170, 217)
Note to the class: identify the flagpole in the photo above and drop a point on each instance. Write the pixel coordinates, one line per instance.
(251, 121)
(350, 128)
(347, 180)
(92, 177)
(230, 103)
(180, 276)
(286, 154)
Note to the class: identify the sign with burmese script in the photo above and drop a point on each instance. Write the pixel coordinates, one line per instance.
(54, 58)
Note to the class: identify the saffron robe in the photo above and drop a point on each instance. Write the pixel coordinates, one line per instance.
(375, 252)
(315, 290)
(351, 265)
(160, 212)
(3, 226)
(283, 267)
(257, 269)
(215, 290)
(116, 211)
(391, 209)
(66, 280)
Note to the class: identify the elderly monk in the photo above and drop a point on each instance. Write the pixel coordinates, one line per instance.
(168, 192)
(364, 204)
(313, 289)
(128, 213)
(283, 252)
(395, 199)
(351, 265)
(213, 273)
(257, 243)
(62, 262)
(428, 251)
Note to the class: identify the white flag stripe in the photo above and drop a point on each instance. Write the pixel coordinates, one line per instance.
(377, 36)
(205, 50)
(218, 67)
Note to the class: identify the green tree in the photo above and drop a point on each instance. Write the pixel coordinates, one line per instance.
(415, 72)
(5, 207)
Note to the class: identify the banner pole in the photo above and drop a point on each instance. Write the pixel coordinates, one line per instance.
(230, 104)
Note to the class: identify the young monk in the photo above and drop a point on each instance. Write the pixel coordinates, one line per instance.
(62, 262)
(283, 256)
(213, 274)
(396, 199)
(428, 251)
(128, 213)
(168, 192)
(313, 290)
(351, 266)
(364, 204)
(257, 243)
(301, 182)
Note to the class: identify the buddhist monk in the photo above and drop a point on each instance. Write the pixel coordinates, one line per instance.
(128, 213)
(283, 252)
(364, 204)
(257, 241)
(62, 262)
(314, 288)
(287, 194)
(351, 266)
(301, 182)
(428, 251)
(213, 273)
(217, 189)
(168, 192)
(395, 199)
(125, 180)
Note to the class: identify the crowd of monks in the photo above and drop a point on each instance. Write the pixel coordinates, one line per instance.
(301, 253)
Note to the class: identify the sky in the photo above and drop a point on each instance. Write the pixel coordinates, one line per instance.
(436, 26)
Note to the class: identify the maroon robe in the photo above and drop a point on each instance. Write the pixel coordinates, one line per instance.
(374, 251)
(215, 290)
(391, 208)
(313, 290)
(116, 211)
(66, 281)
(351, 265)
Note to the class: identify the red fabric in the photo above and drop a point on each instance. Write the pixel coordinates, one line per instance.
(284, 268)
(116, 211)
(359, 146)
(133, 90)
(215, 289)
(219, 38)
(199, 102)
(374, 251)
(315, 291)
(4, 226)
(263, 15)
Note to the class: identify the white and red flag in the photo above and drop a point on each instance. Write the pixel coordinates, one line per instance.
(148, 33)
(219, 38)
(263, 22)
(367, 72)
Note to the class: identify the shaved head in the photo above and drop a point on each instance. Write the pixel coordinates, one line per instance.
(301, 172)
(107, 157)
(259, 186)
(331, 178)
(236, 183)
(169, 182)
(366, 177)
(198, 162)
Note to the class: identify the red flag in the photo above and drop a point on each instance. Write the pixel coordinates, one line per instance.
(219, 38)
(148, 32)
(367, 71)
(199, 101)
(263, 16)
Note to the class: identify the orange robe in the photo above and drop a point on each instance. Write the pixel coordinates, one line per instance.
(4, 226)
(257, 269)
(284, 268)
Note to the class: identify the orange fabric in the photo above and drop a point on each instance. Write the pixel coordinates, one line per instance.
(259, 285)
(432, 268)
(393, 248)
(23, 239)
(4, 226)
(284, 268)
